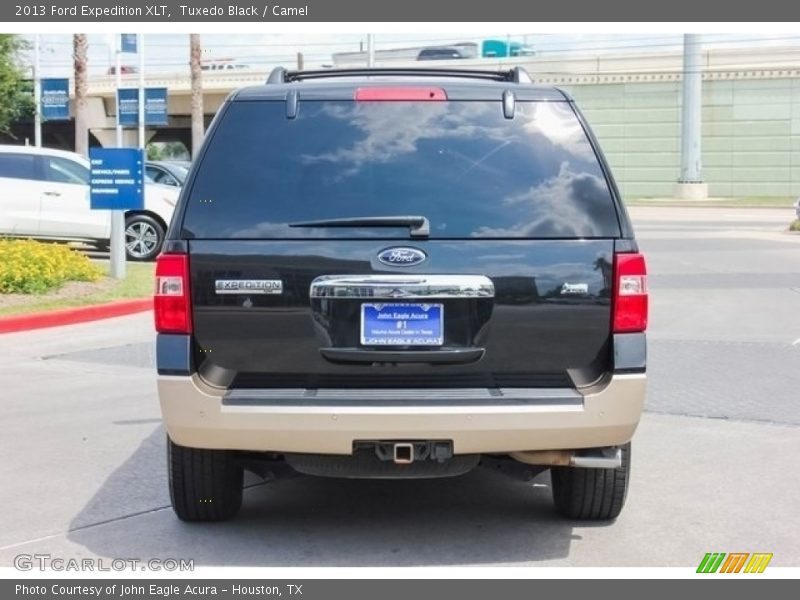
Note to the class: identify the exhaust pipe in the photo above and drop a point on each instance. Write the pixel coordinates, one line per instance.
(598, 459)
(602, 458)
(403, 454)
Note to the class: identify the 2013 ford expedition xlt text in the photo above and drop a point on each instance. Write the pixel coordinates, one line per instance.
(400, 273)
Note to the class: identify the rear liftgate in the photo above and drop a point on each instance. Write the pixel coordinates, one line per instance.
(398, 319)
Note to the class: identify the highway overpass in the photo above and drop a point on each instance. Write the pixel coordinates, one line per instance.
(568, 72)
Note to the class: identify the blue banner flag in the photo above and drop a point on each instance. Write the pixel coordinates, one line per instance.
(127, 42)
(55, 99)
(155, 106)
(128, 107)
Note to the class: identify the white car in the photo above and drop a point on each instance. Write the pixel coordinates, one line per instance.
(44, 193)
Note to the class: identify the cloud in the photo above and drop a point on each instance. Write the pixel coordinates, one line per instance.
(556, 122)
(398, 127)
(566, 205)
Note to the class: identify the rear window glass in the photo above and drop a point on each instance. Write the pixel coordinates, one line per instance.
(469, 170)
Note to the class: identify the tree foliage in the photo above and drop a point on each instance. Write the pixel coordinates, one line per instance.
(16, 88)
(167, 151)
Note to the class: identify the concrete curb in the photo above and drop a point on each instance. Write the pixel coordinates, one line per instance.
(701, 204)
(69, 316)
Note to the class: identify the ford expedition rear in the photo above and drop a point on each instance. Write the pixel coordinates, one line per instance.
(400, 273)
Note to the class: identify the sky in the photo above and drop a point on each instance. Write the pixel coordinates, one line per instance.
(170, 52)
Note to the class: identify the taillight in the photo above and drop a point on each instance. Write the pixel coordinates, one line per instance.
(384, 94)
(630, 293)
(172, 304)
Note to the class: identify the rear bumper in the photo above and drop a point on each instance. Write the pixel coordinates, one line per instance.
(477, 421)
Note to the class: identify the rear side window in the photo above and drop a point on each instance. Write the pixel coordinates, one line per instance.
(158, 175)
(463, 165)
(62, 170)
(17, 166)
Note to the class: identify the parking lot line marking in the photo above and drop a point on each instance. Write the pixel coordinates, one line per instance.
(111, 521)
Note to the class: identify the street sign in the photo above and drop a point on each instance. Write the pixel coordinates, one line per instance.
(127, 42)
(128, 107)
(55, 99)
(155, 106)
(116, 178)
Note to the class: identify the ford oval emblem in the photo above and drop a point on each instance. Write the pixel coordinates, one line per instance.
(401, 257)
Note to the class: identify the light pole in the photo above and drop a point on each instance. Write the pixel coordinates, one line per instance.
(370, 50)
(118, 76)
(37, 93)
(140, 44)
(690, 184)
(117, 242)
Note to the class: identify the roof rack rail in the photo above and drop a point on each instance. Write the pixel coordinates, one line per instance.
(520, 75)
(515, 75)
(277, 75)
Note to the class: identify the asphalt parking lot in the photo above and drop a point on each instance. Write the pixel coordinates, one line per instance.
(714, 460)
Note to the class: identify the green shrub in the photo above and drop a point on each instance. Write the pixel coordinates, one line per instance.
(795, 226)
(30, 267)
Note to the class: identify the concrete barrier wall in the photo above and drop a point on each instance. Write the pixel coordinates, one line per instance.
(751, 135)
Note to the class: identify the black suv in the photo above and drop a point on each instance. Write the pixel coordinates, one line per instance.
(400, 273)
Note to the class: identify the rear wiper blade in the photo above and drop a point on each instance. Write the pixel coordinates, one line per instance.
(418, 225)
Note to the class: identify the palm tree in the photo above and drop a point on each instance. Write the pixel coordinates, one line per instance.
(80, 47)
(198, 125)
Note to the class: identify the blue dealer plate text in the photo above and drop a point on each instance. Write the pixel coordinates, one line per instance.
(401, 324)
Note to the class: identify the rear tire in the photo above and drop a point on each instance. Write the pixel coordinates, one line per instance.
(591, 494)
(204, 485)
(144, 236)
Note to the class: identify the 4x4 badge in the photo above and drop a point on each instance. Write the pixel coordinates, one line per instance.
(401, 256)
